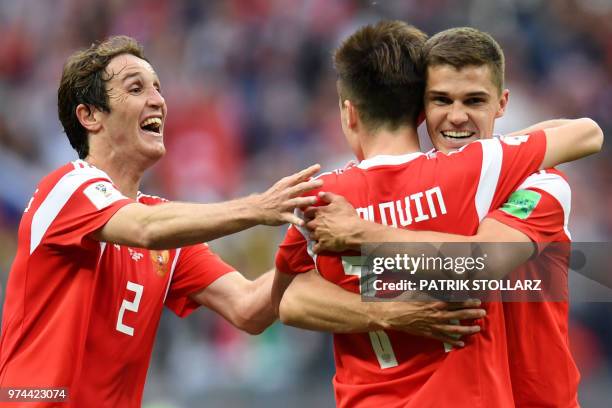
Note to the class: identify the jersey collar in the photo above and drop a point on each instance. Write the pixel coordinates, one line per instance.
(389, 160)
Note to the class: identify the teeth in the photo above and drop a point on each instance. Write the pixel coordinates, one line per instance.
(151, 121)
(457, 134)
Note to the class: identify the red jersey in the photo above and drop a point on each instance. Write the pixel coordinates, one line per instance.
(83, 314)
(450, 193)
(542, 369)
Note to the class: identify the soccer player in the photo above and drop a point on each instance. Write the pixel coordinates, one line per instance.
(97, 260)
(380, 89)
(464, 84)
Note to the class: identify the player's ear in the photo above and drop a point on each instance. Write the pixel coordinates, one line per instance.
(503, 102)
(89, 117)
(352, 115)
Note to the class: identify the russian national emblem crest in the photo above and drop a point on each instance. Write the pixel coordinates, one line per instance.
(160, 259)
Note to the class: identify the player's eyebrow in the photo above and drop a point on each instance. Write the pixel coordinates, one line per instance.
(435, 92)
(481, 94)
(134, 74)
(130, 75)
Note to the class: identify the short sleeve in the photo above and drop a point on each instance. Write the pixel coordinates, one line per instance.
(292, 256)
(539, 208)
(295, 254)
(504, 164)
(521, 156)
(78, 205)
(197, 267)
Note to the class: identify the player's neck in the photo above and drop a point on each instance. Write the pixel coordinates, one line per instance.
(394, 143)
(125, 175)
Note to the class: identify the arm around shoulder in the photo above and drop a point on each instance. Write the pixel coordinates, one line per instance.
(576, 139)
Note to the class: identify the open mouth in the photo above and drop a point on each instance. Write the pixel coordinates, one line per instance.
(152, 125)
(454, 134)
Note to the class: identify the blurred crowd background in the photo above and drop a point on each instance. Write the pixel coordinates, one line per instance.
(251, 97)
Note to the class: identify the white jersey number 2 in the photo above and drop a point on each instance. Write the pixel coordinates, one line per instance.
(131, 306)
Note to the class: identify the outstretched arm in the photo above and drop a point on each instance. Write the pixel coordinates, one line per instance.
(173, 225)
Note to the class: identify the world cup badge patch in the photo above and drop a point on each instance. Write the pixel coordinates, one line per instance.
(160, 261)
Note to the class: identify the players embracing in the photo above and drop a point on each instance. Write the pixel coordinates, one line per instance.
(378, 364)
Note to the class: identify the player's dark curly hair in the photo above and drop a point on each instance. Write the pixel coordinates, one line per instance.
(462, 47)
(380, 71)
(84, 82)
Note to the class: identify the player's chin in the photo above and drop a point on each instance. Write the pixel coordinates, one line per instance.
(158, 150)
(153, 146)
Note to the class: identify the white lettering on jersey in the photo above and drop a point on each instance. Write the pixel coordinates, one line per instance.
(416, 197)
(366, 213)
(135, 255)
(102, 194)
(392, 211)
(404, 215)
(432, 208)
(383, 213)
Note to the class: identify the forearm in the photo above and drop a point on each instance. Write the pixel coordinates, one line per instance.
(574, 140)
(173, 225)
(370, 232)
(256, 309)
(311, 302)
(490, 240)
(541, 126)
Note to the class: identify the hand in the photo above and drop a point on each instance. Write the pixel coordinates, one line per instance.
(331, 225)
(436, 320)
(277, 204)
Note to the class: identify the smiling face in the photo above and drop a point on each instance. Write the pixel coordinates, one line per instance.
(135, 124)
(461, 105)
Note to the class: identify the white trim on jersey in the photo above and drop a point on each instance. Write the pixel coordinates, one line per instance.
(492, 155)
(176, 257)
(57, 199)
(304, 231)
(102, 248)
(388, 160)
(557, 187)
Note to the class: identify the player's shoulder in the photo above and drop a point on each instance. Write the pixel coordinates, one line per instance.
(554, 183)
(556, 172)
(70, 176)
(331, 179)
(547, 178)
